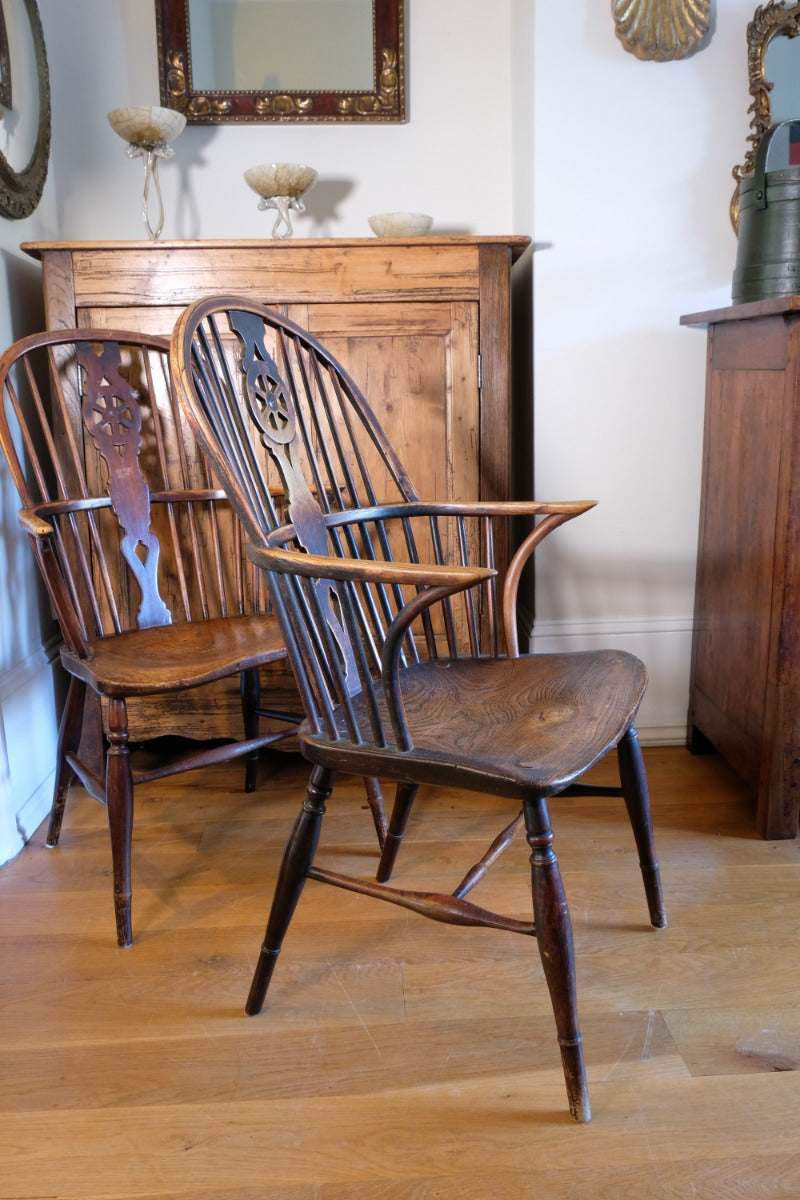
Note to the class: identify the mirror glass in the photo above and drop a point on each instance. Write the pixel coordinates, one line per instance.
(282, 60)
(311, 44)
(782, 69)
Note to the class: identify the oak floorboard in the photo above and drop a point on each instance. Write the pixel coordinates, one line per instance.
(397, 1058)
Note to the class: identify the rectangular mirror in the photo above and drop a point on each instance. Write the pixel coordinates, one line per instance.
(282, 60)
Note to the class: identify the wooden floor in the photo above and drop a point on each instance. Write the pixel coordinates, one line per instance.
(396, 1057)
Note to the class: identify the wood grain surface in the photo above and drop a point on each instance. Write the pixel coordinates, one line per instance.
(397, 1058)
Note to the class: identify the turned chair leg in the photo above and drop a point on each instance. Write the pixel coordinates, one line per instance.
(69, 736)
(403, 803)
(250, 691)
(554, 935)
(637, 801)
(375, 801)
(297, 859)
(119, 800)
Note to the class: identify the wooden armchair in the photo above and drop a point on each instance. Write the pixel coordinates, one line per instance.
(402, 638)
(142, 559)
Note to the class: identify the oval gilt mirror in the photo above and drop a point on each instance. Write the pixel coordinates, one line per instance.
(22, 182)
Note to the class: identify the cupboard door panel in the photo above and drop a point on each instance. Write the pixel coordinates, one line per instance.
(406, 318)
(735, 575)
(418, 367)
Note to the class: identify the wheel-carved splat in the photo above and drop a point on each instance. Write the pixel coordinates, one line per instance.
(272, 406)
(112, 417)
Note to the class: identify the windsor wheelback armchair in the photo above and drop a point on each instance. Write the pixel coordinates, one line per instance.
(404, 648)
(142, 558)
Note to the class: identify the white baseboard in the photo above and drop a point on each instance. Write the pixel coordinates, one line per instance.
(664, 644)
(29, 721)
(28, 740)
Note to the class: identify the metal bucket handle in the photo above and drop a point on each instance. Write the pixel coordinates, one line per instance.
(760, 170)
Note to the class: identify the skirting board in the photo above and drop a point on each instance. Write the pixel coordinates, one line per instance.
(28, 738)
(28, 714)
(663, 644)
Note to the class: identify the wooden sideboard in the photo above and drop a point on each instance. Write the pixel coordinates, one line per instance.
(745, 677)
(422, 324)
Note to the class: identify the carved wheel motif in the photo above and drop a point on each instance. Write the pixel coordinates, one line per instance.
(111, 417)
(269, 403)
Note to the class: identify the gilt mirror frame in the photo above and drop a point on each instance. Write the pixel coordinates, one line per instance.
(777, 19)
(21, 191)
(5, 66)
(386, 101)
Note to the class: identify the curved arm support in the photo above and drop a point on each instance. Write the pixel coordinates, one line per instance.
(390, 655)
(515, 568)
(434, 583)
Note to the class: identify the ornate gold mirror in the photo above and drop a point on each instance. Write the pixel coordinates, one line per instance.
(5, 66)
(282, 60)
(773, 65)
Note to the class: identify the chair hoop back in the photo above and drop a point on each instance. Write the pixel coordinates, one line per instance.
(272, 408)
(102, 458)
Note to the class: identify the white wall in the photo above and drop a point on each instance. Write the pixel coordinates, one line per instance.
(28, 682)
(631, 176)
(452, 158)
(523, 118)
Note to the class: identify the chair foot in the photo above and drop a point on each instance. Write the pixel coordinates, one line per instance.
(56, 816)
(297, 859)
(69, 736)
(554, 936)
(251, 772)
(375, 802)
(262, 977)
(655, 899)
(580, 1108)
(401, 810)
(633, 777)
(119, 802)
(122, 913)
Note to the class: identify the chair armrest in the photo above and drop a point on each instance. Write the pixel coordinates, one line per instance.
(466, 508)
(359, 570)
(33, 524)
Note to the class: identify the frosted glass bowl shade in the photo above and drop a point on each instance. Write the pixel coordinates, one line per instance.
(400, 224)
(280, 179)
(142, 125)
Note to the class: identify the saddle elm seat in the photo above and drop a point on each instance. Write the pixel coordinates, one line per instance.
(547, 701)
(143, 662)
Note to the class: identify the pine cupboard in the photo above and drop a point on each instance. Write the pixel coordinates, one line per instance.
(424, 325)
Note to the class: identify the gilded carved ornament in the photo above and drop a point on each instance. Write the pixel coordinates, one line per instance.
(662, 30)
(770, 20)
(21, 191)
(200, 106)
